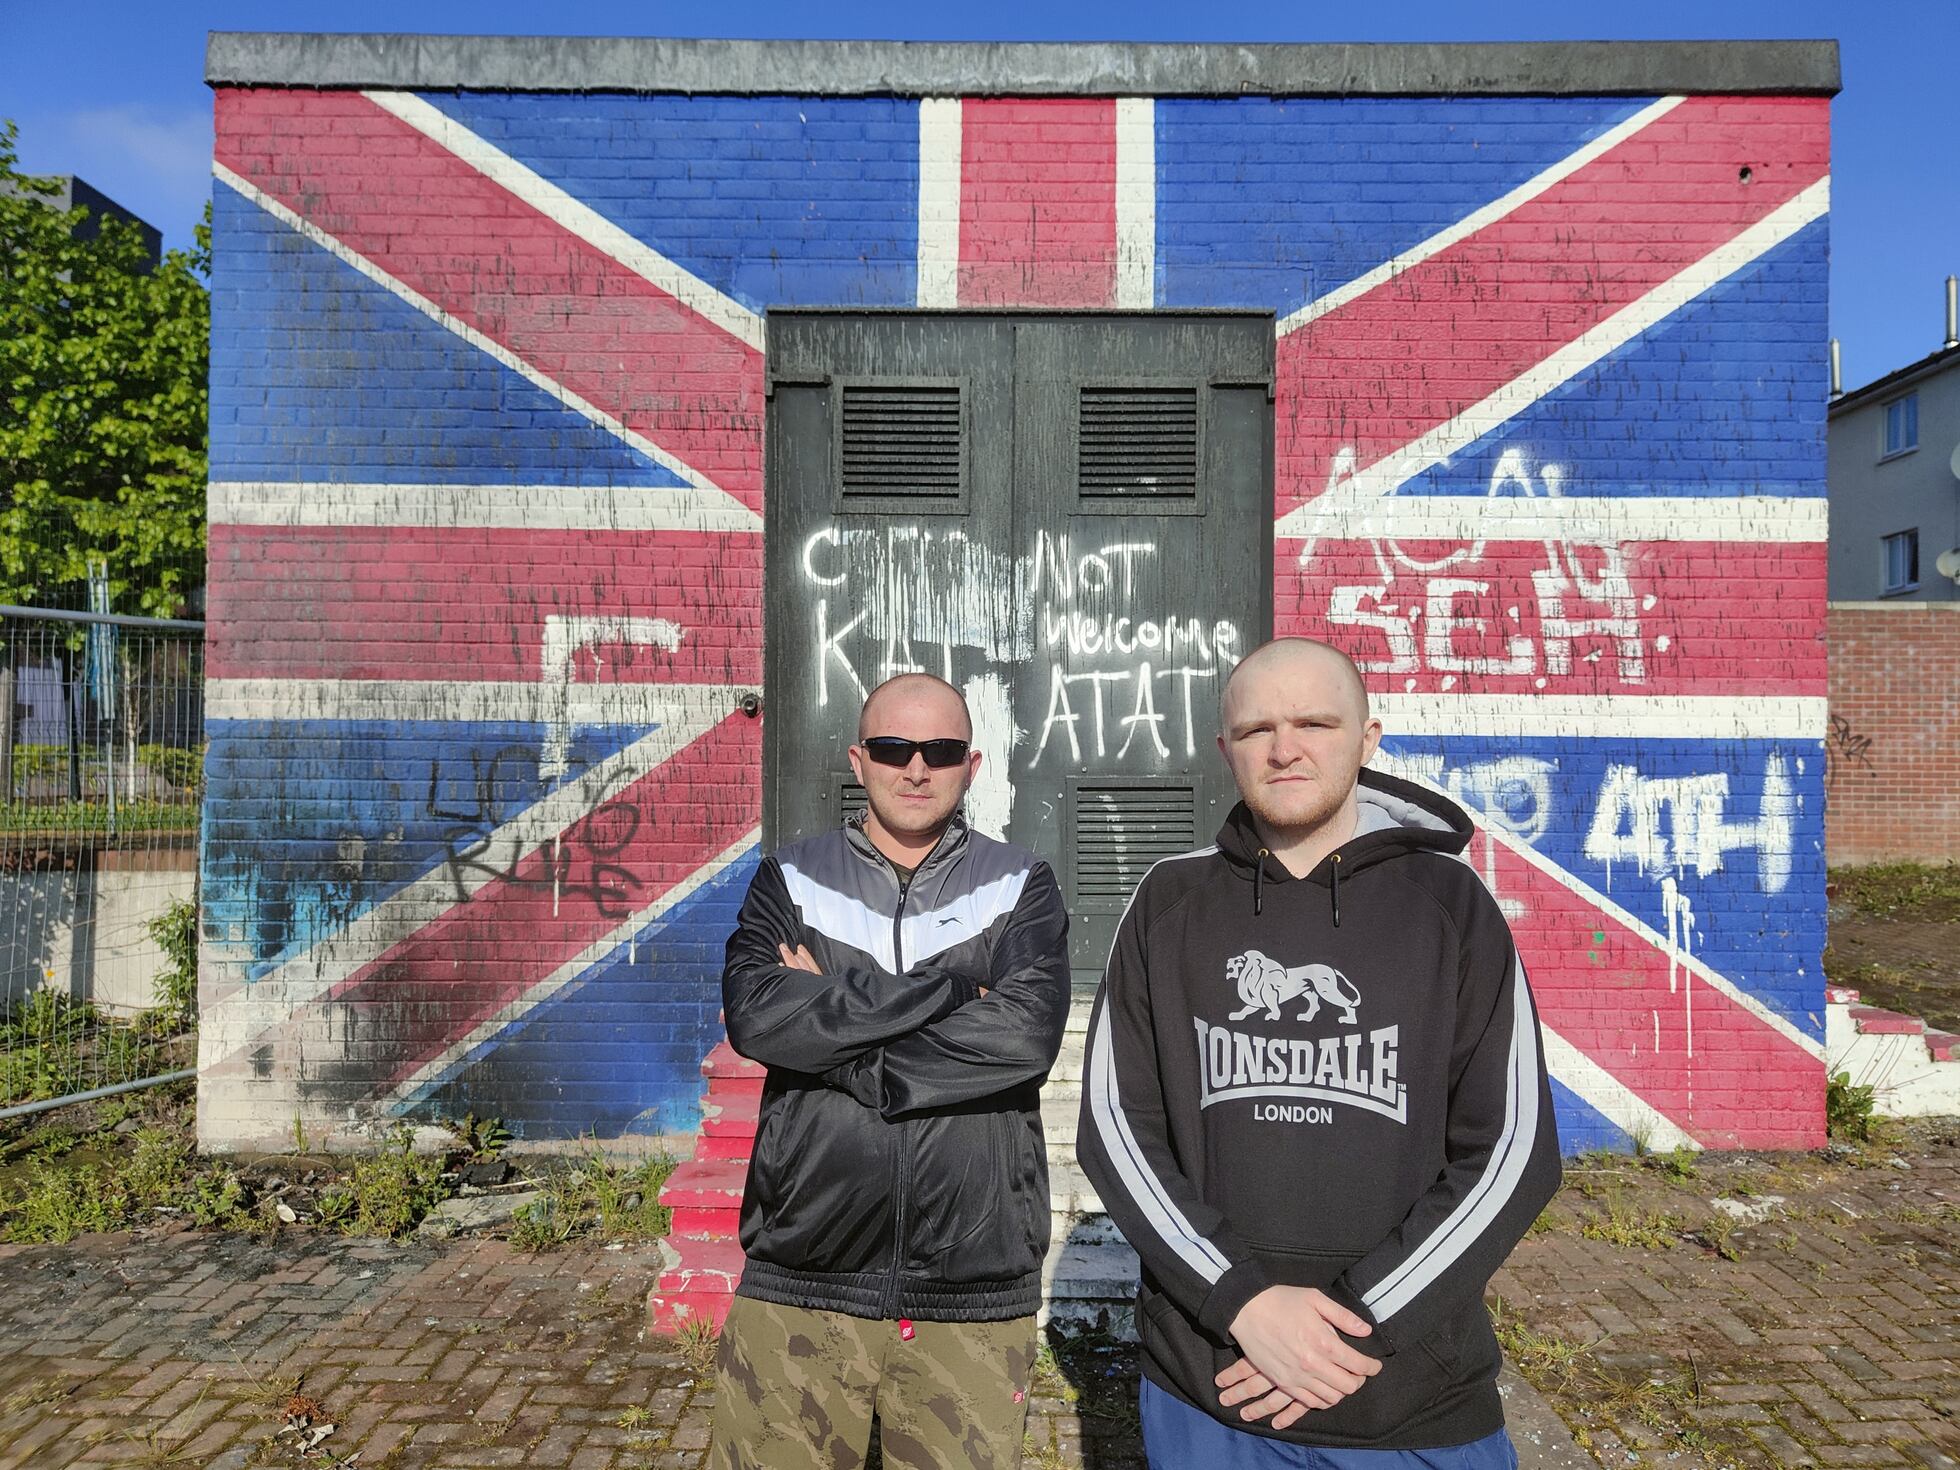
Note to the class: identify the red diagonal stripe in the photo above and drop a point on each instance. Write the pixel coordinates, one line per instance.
(1418, 350)
(1037, 202)
(498, 265)
(437, 984)
(301, 602)
(1707, 1063)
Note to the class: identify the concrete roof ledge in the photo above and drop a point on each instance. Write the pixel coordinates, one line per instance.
(933, 68)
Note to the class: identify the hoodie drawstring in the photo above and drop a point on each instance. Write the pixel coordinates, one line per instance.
(1334, 887)
(1258, 879)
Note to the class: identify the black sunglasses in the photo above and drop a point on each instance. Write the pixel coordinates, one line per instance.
(890, 750)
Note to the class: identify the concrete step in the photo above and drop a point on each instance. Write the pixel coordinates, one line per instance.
(1069, 1189)
(1089, 1261)
(1913, 1069)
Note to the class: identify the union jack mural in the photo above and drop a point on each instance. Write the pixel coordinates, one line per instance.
(487, 520)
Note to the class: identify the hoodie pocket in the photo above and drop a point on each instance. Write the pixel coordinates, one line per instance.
(1408, 1385)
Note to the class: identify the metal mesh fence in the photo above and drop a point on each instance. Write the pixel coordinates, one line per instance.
(103, 757)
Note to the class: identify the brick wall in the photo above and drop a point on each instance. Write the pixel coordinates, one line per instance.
(1893, 755)
(487, 505)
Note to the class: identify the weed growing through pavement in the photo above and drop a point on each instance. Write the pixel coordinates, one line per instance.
(1627, 1224)
(697, 1339)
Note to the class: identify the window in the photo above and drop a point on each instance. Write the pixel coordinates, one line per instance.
(1901, 426)
(1902, 561)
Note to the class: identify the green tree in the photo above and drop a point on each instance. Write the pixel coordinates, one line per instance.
(103, 366)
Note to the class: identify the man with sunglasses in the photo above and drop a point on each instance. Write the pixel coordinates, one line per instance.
(905, 980)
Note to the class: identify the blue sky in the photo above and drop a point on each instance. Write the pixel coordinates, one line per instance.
(115, 93)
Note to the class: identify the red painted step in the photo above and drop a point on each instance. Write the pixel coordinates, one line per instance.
(706, 1196)
(1876, 1022)
(728, 1073)
(730, 1115)
(1944, 1045)
(705, 1267)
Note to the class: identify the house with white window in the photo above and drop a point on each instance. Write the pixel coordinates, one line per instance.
(1895, 482)
(1894, 622)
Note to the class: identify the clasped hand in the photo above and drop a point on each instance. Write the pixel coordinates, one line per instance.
(1295, 1358)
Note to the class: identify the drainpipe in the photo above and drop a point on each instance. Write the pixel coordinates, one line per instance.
(1837, 371)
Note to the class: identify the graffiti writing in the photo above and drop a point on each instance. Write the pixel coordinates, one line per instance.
(578, 864)
(1846, 747)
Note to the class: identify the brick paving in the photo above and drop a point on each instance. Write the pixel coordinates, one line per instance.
(1834, 1339)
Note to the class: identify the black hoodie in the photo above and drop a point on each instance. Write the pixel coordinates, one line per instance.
(1331, 1081)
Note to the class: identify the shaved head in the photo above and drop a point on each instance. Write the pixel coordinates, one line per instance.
(915, 688)
(1285, 656)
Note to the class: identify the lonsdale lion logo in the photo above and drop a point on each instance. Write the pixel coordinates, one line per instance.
(1266, 984)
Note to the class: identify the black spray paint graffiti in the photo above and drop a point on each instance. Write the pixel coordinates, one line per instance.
(1845, 747)
(578, 864)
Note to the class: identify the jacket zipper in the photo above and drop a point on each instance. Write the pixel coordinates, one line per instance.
(903, 1161)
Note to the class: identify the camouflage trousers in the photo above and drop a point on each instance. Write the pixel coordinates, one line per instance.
(795, 1390)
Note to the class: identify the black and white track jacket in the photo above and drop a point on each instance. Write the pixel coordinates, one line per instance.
(1333, 1081)
(899, 1168)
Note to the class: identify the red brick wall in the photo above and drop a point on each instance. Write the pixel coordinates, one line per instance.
(1892, 755)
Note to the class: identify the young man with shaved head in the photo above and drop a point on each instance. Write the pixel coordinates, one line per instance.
(1315, 1102)
(905, 980)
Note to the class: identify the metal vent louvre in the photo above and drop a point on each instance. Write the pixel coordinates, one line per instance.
(1138, 442)
(851, 801)
(900, 440)
(1121, 830)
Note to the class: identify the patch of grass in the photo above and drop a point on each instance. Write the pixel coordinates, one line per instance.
(1623, 1223)
(1590, 1395)
(480, 1138)
(391, 1189)
(590, 1196)
(55, 1205)
(1677, 1163)
(40, 1391)
(637, 1418)
(175, 987)
(1848, 1109)
(1900, 890)
(542, 1225)
(697, 1340)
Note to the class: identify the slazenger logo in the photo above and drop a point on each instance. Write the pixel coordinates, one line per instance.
(1355, 1069)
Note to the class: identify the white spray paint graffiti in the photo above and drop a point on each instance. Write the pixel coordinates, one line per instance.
(990, 802)
(925, 594)
(565, 638)
(1089, 612)
(1676, 824)
(1445, 624)
(1121, 674)
(1680, 913)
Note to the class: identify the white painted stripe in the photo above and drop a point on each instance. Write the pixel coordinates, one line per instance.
(1638, 927)
(573, 215)
(1529, 190)
(1146, 1191)
(415, 1089)
(1486, 1198)
(841, 917)
(1603, 338)
(1610, 1097)
(1126, 1155)
(591, 412)
(244, 1017)
(1593, 519)
(966, 917)
(1136, 203)
(1681, 716)
(441, 700)
(940, 124)
(479, 507)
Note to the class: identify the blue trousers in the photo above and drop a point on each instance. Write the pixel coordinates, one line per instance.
(1178, 1437)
